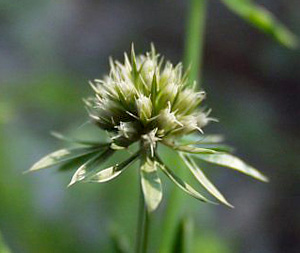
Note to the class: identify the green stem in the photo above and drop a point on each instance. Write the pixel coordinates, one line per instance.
(193, 53)
(183, 240)
(143, 226)
(194, 38)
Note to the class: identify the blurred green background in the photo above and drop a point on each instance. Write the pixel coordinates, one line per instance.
(48, 52)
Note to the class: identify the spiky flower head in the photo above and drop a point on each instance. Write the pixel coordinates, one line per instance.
(146, 95)
(150, 101)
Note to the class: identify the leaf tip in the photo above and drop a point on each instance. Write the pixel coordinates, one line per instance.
(264, 179)
(226, 203)
(33, 168)
(229, 205)
(26, 171)
(71, 183)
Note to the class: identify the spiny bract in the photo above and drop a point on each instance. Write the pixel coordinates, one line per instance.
(148, 101)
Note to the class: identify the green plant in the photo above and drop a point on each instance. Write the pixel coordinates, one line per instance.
(149, 102)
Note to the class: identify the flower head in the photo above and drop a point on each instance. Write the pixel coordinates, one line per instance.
(149, 94)
(149, 101)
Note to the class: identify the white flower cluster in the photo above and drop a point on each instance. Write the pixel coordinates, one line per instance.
(145, 94)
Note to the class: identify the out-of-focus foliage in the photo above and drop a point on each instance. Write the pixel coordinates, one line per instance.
(262, 19)
(3, 247)
(183, 239)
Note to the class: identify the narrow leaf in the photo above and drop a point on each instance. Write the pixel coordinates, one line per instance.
(207, 145)
(111, 172)
(189, 149)
(180, 183)
(83, 171)
(263, 20)
(233, 162)
(76, 162)
(212, 138)
(217, 147)
(193, 139)
(61, 156)
(82, 142)
(203, 180)
(151, 183)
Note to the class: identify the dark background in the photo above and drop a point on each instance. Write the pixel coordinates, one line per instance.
(48, 51)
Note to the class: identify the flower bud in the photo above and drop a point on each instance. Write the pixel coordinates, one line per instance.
(148, 69)
(189, 123)
(167, 119)
(202, 119)
(168, 75)
(144, 107)
(188, 100)
(169, 93)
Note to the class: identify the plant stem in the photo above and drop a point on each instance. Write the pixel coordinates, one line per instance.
(183, 239)
(194, 38)
(143, 226)
(193, 53)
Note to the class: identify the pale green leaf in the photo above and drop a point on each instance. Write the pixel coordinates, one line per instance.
(151, 184)
(181, 184)
(193, 139)
(61, 156)
(111, 172)
(203, 180)
(217, 147)
(106, 174)
(233, 162)
(212, 138)
(194, 150)
(188, 149)
(83, 171)
(207, 145)
(263, 20)
(76, 162)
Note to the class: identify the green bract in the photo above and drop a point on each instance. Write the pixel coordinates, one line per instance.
(149, 101)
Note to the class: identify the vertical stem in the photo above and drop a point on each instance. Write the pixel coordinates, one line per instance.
(194, 38)
(193, 53)
(143, 226)
(188, 234)
(183, 240)
(146, 231)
